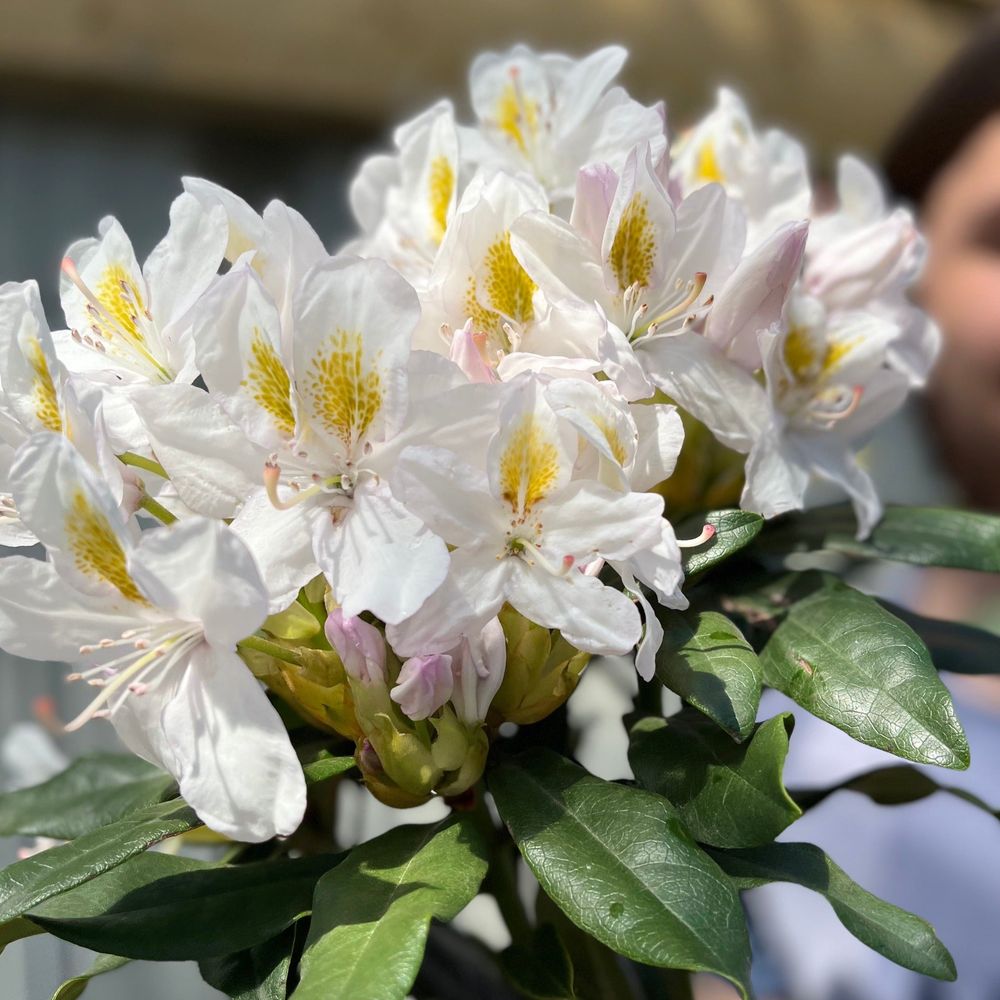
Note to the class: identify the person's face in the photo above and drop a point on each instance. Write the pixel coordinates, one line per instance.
(960, 289)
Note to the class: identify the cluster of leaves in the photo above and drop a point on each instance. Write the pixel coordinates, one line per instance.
(639, 881)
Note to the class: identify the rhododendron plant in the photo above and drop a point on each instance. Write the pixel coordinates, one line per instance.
(307, 520)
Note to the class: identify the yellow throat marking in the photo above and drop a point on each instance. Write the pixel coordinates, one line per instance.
(509, 290)
(529, 465)
(96, 549)
(269, 384)
(344, 397)
(440, 188)
(119, 294)
(707, 169)
(43, 387)
(633, 249)
(515, 115)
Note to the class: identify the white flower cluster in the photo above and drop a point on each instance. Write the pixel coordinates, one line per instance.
(464, 409)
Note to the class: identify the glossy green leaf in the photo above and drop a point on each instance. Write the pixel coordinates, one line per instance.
(371, 914)
(163, 907)
(707, 661)
(325, 766)
(734, 530)
(954, 646)
(598, 973)
(540, 969)
(728, 794)
(843, 657)
(16, 929)
(891, 786)
(92, 792)
(900, 936)
(25, 884)
(925, 536)
(73, 988)
(258, 973)
(621, 866)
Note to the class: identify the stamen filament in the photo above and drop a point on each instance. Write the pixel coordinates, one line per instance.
(707, 534)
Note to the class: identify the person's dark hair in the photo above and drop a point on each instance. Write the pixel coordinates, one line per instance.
(958, 101)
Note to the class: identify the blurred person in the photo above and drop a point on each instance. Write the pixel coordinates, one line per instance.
(945, 160)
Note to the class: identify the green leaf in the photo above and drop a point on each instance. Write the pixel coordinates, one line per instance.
(728, 794)
(705, 659)
(619, 863)
(540, 969)
(901, 937)
(16, 929)
(27, 883)
(163, 907)
(891, 786)
(325, 766)
(734, 530)
(258, 973)
(371, 914)
(954, 646)
(597, 970)
(925, 536)
(73, 988)
(92, 792)
(843, 657)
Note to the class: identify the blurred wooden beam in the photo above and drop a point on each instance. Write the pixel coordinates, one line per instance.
(839, 71)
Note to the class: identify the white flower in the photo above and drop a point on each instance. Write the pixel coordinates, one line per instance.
(38, 394)
(405, 203)
(551, 115)
(131, 325)
(329, 405)
(867, 256)
(153, 622)
(523, 533)
(767, 173)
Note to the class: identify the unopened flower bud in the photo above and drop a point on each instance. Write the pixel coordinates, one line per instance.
(424, 685)
(361, 646)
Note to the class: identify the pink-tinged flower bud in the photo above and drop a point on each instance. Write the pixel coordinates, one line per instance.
(424, 685)
(478, 668)
(361, 646)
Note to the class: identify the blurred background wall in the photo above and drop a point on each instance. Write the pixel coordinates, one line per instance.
(104, 104)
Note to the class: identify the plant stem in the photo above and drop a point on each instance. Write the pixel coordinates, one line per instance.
(151, 506)
(501, 879)
(141, 462)
(650, 697)
(262, 645)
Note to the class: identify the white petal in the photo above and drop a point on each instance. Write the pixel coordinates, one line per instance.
(222, 740)
(281, 544)
(42, 617)
(451, 498)
(592, 617)
(212, 464)
(714, 390)
(588, 519)
(199, 570)
(472, 594)
(659, 567)
(354, 322)
(184, 262)
(531, 457)
(661, 435)
(238, 348)
(776, 478)
(73, 513)
(380, 557)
